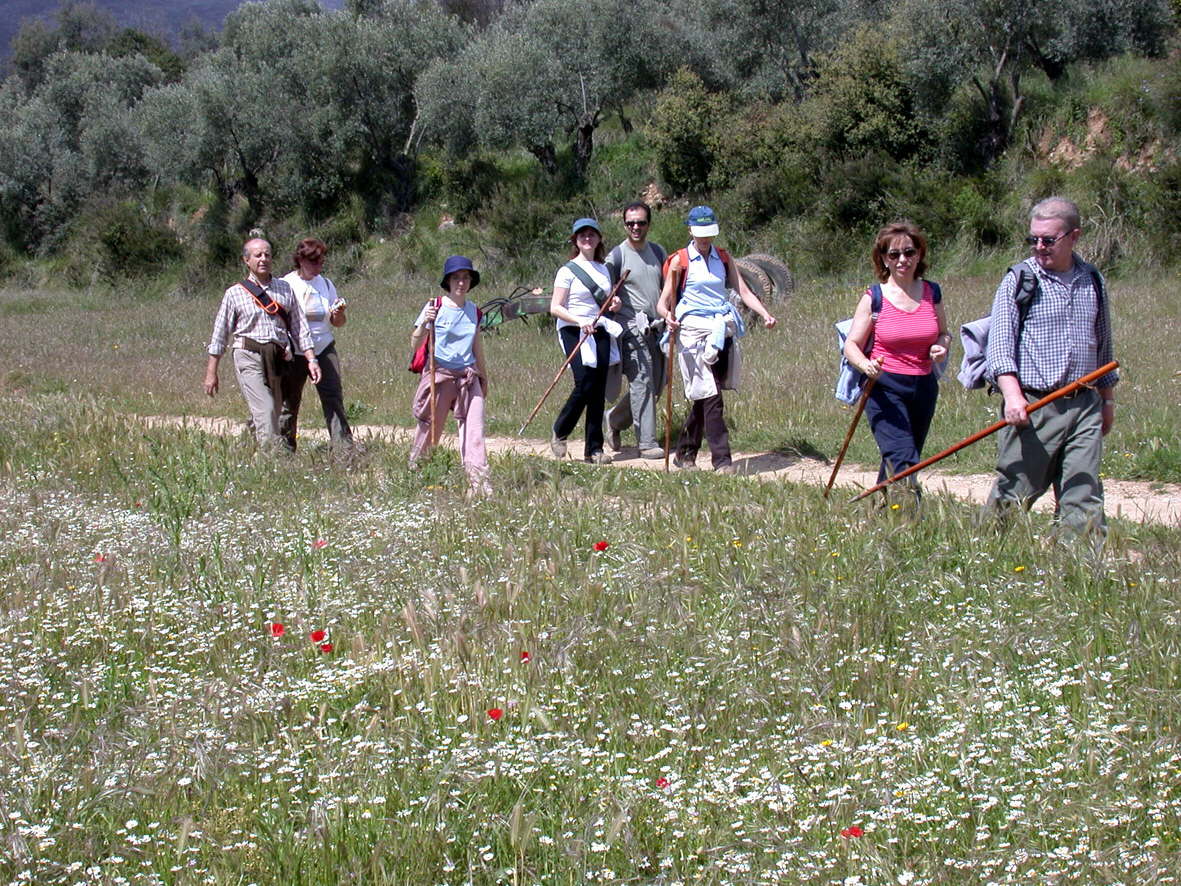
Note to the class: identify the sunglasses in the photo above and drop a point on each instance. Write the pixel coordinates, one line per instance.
(1045, 242)
(895, 254)
(635, 224)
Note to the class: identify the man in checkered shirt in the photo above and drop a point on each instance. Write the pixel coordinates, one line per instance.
(1065, 335)
(261, 337)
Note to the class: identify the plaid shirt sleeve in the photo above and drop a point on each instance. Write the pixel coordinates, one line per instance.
(223, 325)
(1002, 336)
(1103, 336)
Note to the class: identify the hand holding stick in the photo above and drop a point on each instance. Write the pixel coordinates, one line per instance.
(993, 428)
(569, 357)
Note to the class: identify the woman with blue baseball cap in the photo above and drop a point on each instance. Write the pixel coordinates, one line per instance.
(580, 289)
(460, 378)
(696, 304)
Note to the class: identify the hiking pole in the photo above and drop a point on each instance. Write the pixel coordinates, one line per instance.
(570, 356)
(430, 360)
(865, 389)
(668, 372)
(993, 428)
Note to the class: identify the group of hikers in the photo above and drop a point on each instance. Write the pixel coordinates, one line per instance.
(619, 312)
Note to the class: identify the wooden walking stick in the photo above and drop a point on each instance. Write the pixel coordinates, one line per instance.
(570, 356)
(993, 428)
(668, 371)
(865, 389)
(430, 362)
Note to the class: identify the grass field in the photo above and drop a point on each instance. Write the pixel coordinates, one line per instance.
(226, 669)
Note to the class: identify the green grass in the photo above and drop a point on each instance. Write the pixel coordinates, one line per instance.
(743, 673)
(144, 355)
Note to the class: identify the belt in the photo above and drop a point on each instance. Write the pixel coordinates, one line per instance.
(1077, 392)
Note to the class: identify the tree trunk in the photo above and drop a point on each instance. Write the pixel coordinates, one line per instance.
(996, 135)
(584, 143)
(547, 156)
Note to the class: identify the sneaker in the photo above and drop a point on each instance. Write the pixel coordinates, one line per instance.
(725, 469)
(614, 440)
(557, 445)
(685, 462)
(599, 458)
(652, 453)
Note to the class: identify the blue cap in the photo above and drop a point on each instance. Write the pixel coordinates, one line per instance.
(702, 222)
(459, 263)
(586, 223)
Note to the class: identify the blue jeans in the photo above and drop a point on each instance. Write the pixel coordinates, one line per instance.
(900, 409)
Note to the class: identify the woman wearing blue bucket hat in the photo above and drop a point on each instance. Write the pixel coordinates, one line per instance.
(580, 288)
(460, 379)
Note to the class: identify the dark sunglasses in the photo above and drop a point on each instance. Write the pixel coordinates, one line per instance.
(1046, 242)
(635, 224)
(895, 254)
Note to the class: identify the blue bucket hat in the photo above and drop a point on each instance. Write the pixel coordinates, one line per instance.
(459, 263)
(586, 223)
(702, 222)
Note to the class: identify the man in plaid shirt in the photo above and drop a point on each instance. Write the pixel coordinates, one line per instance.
(261, 331)
(1066, 334)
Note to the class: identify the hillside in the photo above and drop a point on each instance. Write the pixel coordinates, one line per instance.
(160, 17)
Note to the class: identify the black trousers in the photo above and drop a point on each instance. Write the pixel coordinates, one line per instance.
(590, 390)
(331, 393)
(706, 418)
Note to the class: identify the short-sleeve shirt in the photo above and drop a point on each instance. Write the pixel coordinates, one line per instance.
(641, 290)
(316, 297)
(580, 302)
(455, 334)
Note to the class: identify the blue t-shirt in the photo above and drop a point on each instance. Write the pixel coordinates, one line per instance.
(455, 335)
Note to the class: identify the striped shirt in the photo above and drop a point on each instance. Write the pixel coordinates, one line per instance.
(1067, 331)
(240, 317)
(903, 339)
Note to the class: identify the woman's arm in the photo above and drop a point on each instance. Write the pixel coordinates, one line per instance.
(432, 311)
(557, 307)
(664, 306)
(858, 336)
(943, 342)
(734, 281)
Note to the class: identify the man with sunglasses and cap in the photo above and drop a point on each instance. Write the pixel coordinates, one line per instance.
(643, 360)
(1063, 333)
(260, 319)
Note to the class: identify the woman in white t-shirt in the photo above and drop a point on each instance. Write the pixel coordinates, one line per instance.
(579, 289)
(324, 310)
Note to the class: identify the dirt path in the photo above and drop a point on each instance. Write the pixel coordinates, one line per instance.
(1132, 500)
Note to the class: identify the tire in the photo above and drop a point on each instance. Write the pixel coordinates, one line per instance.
(757, 279)
(779, 273)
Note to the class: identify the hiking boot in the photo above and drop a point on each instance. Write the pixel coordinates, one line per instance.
(557, 445)
(615, 440)
(599, 458)
(685, 462)
(652, 453)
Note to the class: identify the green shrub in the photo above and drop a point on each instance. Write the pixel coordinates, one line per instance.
(684, 130)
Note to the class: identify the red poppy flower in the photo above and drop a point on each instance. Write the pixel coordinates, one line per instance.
(325, 648)
(100, 558)
(277, 629)
(138, 503)
(853, 831)
(319, 543)
(662, 782)
(495, 713)
(601, 546)
(317, 636)
(525, 656)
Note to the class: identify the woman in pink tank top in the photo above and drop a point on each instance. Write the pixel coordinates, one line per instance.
(903, 315)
